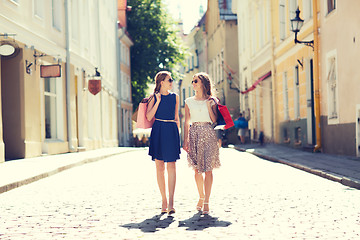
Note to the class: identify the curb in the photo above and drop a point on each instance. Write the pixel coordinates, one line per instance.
(29, 180)
(340, 179)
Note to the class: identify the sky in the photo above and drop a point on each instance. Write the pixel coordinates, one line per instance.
(187, 9)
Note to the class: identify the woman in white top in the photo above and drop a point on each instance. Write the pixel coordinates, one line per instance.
(200, 141)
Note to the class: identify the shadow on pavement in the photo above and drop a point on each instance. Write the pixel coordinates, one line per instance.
(200, 222)
(151, 224)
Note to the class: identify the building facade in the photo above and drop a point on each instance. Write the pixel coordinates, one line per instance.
(125, 105)
(46, 112)
(339, 54)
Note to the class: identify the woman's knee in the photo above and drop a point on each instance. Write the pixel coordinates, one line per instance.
(160, 165)
(171, 166)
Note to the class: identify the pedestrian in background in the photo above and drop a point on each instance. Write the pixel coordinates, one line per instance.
(242, 124)
(200, 140)
(164, 139)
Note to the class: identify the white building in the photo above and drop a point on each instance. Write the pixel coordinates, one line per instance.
(50, 115)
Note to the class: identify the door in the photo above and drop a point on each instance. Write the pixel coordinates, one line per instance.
(357, 122)
(311, 132)
(12, 107)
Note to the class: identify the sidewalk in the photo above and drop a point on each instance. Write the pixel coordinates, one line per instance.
(20, 172)
(342, 169)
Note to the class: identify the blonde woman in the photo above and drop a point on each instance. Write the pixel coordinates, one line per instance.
(200, 139)
(164, 140)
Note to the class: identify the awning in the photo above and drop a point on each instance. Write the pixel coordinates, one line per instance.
(257, 82)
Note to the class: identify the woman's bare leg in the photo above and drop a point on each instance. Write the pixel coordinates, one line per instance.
(171, 169)
(208, 184)
(160, 174)
(200, 186)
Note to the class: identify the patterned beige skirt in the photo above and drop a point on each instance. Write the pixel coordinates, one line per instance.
(203, 152)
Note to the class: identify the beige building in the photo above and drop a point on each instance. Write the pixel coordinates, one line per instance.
(339, 57)
(47, 113)
(256, 64)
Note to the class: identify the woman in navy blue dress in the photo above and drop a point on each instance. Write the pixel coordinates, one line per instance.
(164, 140)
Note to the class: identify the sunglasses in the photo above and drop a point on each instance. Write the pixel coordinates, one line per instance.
(171, 80)
(194, 81)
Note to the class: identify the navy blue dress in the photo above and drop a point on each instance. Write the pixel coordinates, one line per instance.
(164, 138)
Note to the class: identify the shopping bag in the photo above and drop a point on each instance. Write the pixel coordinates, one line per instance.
(224, 119)
(139, 116)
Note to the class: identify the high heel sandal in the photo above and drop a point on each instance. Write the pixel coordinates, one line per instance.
(199, 207)
(205, 212)
(171, 211)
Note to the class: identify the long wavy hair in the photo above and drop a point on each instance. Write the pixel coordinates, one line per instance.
(206, 84)
(159, 77)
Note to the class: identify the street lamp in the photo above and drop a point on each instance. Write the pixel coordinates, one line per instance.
(296, 24)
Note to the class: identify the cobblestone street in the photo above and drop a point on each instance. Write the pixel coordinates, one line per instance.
(118, 198)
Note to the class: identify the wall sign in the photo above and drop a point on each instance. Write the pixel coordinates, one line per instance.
(94, 86)
(47, 71)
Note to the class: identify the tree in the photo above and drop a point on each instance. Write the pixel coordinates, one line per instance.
(156, 44)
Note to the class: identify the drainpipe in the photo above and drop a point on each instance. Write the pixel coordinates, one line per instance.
(273, 79)
(68, 80)
(316, 77)
(119, 81)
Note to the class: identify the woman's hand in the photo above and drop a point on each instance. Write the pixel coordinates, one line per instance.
(186, 145)
(158, 97)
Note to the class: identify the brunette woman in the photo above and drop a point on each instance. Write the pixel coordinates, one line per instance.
(200, 139)
(164, 140)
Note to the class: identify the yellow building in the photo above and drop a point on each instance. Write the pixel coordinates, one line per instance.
(222, 55)
(294, 78)
(277, 75)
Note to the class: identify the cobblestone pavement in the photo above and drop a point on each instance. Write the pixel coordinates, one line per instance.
(118, 198)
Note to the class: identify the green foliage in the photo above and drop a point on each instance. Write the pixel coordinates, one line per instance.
(156, 44)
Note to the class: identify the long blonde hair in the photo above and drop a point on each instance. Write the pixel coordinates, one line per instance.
(206, 83)
(159, 77)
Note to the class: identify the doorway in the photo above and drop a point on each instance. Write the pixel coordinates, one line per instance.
(12, 105)
(311, 131)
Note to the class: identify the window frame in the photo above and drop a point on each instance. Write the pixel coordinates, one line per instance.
(332, 95)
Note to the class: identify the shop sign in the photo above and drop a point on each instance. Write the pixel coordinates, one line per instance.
(94, 86)
(47, 71)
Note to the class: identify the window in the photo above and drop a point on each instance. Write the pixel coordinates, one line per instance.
(331, 4)
(307, 7)
(39, 8)
(183, 97)
(332, 88)
(293, 5)
(296, 93)
(286, 100)
(56, 14)
(222, 65)
(262, 26)
(75, 20)
(218, 68)
(53, 108)
(197, 58)
(192, 62)
(282, 22)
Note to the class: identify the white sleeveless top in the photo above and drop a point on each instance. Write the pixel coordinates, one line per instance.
(198, 110)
